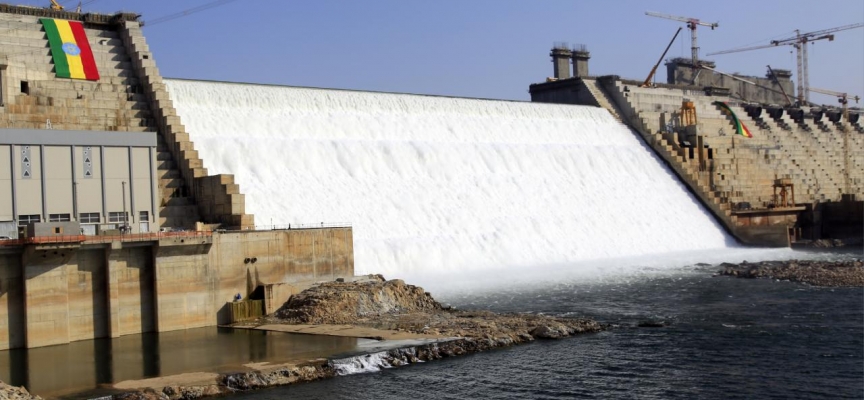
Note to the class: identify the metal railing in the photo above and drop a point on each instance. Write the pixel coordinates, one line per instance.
(127, 237)
(285, 227)
(314, 225)
(146, 237)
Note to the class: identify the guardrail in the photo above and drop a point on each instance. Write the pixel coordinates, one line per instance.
(146, 237)
(283, 227)
(128, 237)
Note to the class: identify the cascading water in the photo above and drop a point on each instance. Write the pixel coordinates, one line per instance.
(444, 184)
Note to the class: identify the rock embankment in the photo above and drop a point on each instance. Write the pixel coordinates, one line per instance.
(818, 273)
(392, 306)
(396, 306)
(8, 392)
(347, 302)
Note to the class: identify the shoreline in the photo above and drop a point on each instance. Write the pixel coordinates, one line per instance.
(200, 385)
(402, 325)
(816, 273)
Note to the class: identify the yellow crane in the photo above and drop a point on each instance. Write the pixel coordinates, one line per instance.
(55, 5)
(647, 82)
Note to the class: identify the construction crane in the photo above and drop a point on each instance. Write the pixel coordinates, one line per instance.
(647, 82)
(692, 24)
(55, 5)
(799, 41)
(777, 81)
(842, 98)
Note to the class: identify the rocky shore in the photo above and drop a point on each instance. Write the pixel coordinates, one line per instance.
(392, 308)
(817, 273)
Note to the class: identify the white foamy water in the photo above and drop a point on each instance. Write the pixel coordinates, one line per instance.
(445, 184)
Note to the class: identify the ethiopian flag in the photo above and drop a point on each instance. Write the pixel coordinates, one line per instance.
(70, 49)
(740, 128)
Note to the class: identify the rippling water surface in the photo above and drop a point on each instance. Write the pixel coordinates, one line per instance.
(726, 338)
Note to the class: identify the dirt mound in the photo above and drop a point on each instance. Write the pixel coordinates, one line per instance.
(396, 306)
(346, 302)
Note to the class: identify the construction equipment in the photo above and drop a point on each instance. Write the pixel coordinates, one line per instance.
(56, 6)
(647, 82)
(777, 81)
(692, 24)
(842, 98)
(799, 41)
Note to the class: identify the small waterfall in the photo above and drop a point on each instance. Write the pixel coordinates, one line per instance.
(445, 184)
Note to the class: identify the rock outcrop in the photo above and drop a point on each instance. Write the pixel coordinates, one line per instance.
(395, 305)
(346, 302)
(8, 392)
(386, 305)
(818, 273)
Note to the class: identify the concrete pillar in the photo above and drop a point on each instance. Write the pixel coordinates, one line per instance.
(13, 314)
(580, 62)
(561, 62)
(46, 295)
(187, 285)
(131, 297)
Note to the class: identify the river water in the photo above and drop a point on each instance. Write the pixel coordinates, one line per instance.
(88, 368)
(726, 338)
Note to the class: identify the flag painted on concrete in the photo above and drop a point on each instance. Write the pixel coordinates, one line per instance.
(740, 128)
(72, 55)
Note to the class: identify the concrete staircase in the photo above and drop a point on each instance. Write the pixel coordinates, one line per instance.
(601, 98)
(189, 195)
(33, 98)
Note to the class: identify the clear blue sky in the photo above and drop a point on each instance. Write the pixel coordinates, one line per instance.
(479, 48)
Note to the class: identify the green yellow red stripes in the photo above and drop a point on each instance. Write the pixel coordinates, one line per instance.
(73, 57)
(740, 128)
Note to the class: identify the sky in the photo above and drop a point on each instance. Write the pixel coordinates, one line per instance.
(480, 48)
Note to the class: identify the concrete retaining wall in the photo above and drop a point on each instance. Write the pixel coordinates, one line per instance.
(55, 294)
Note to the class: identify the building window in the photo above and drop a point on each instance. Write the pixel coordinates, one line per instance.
(23, 220)
(25, 87)
(88, 218)
(144, 216)
(59, 218)
(117, 216)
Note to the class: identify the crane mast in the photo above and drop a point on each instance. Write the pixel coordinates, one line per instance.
(692, 24)
(799, 42)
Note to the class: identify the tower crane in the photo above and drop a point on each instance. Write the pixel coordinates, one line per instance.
(692, 24)
(842, 98)
(799, 41)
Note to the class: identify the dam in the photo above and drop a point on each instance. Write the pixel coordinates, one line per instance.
(445, 184)
(130, 203)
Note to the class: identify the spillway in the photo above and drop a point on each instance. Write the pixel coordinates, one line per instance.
(445, 184)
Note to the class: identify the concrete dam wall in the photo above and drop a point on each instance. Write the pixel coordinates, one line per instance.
(434, 184)
(59, 293)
